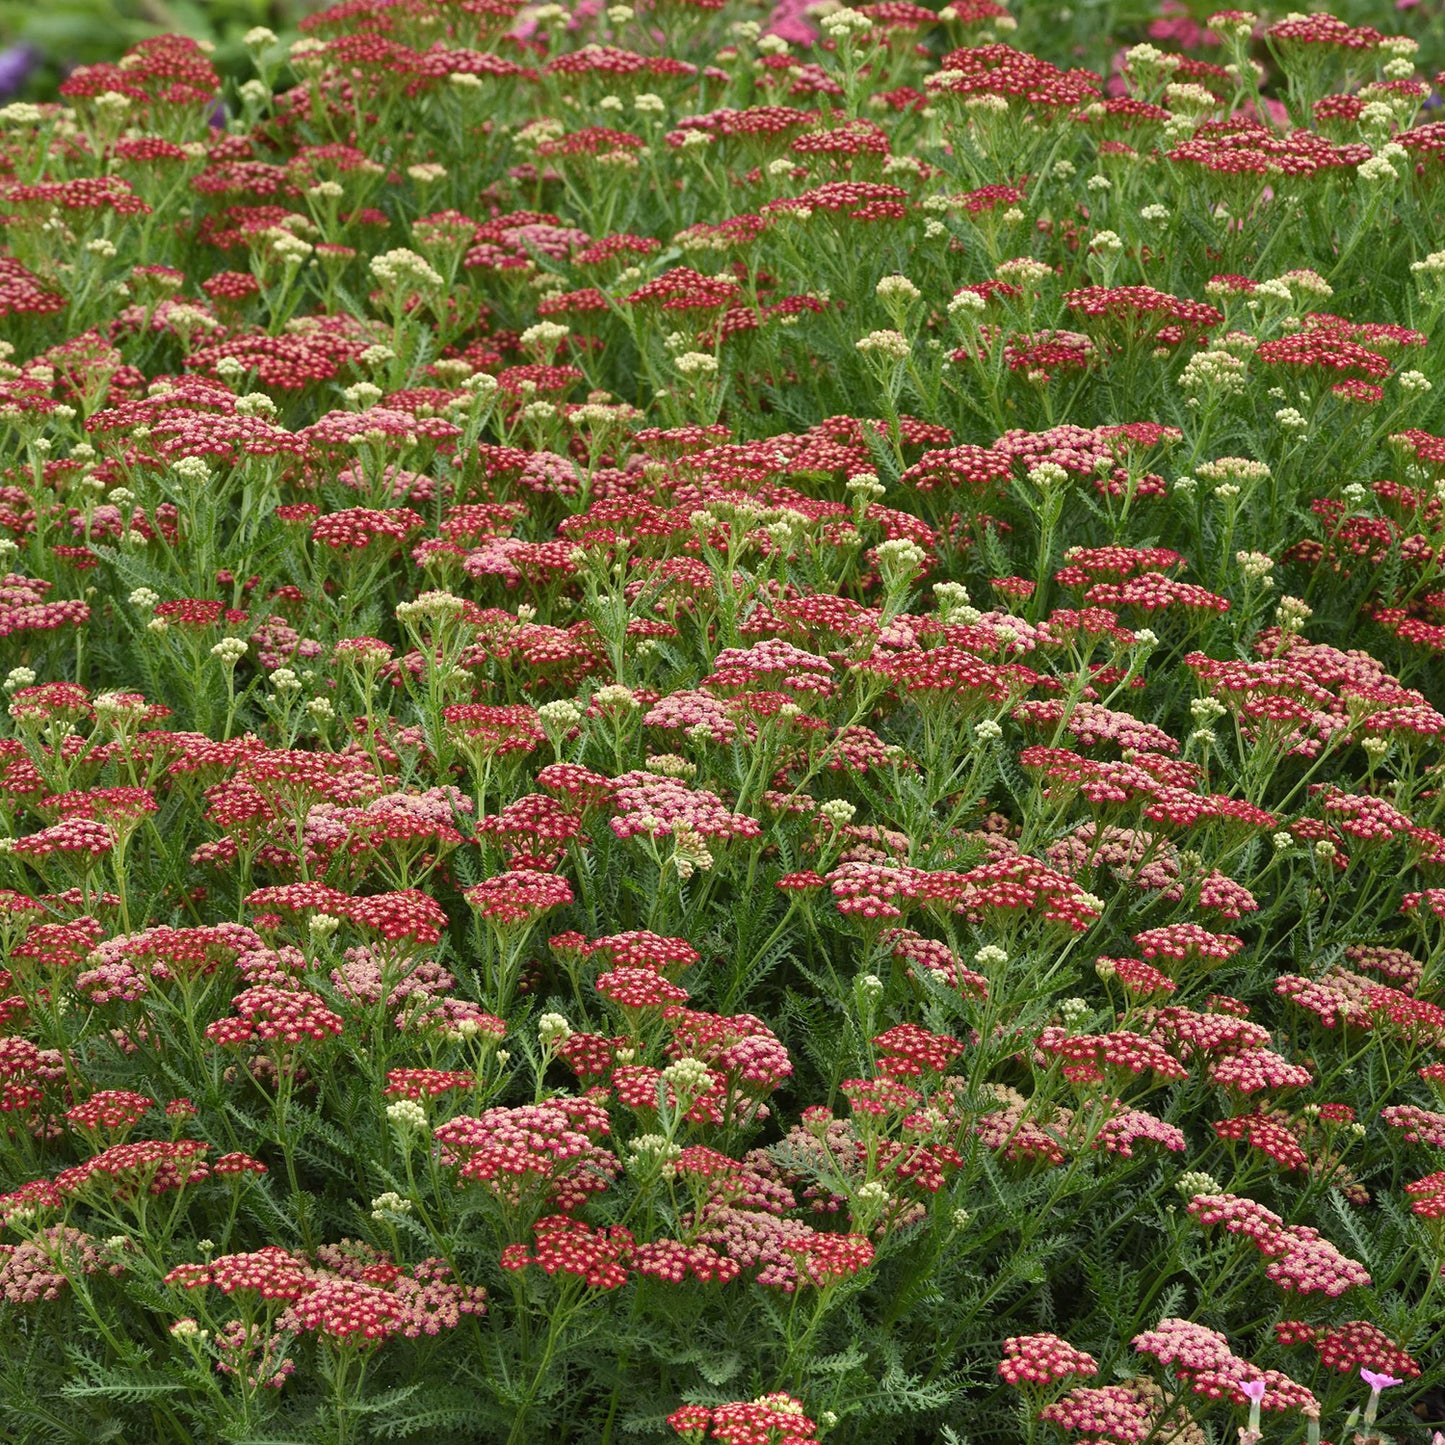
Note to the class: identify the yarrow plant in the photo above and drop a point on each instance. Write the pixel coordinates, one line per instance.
(726, 725)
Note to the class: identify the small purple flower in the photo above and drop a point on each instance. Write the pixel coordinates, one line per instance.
(1254, 1392)
(1377, 1380)
(16, 63)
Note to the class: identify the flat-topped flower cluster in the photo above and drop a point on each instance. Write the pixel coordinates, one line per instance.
(725, 727)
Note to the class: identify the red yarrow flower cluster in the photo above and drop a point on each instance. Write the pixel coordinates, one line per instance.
(1302, 1261)
(1042, 1359)
(776, 1419)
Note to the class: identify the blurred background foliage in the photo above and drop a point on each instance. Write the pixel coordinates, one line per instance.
(41, 41)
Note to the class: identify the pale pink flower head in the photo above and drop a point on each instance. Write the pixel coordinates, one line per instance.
(1377, 1380)
(1254, 1389)
(789, 20)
